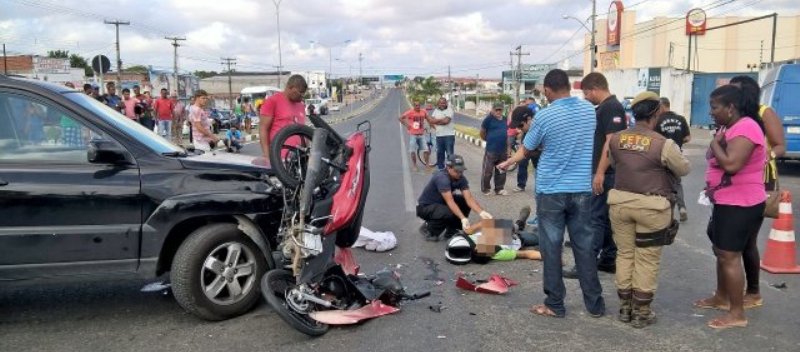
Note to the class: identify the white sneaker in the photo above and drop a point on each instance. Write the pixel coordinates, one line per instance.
(487, 193)
(502, 192)
(517, 189)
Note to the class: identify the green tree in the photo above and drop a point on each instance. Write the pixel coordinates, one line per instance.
(58, 54)
(137, 69)
(78, 61)
(205, 74)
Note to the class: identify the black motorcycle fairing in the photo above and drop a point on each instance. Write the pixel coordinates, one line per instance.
(315, 267)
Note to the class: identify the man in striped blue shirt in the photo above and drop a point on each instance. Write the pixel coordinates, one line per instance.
(565, 130)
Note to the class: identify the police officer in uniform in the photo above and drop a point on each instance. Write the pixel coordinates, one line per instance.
(640, 206)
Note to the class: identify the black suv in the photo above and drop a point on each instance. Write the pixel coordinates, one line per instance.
(84, 190)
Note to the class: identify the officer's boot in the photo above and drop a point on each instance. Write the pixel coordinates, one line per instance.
(643, 315)
(625, 305)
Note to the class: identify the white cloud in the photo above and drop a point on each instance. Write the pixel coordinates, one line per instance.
(410, 36)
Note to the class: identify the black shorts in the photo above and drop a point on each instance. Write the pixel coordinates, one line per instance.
(731, 226)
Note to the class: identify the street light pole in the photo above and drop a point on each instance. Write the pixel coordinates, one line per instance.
(278, 22)
(330, 62)
(592, 46)
(592, 43)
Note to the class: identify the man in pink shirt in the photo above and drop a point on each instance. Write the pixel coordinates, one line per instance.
(163, 107)
(130, 104)
(282, 109)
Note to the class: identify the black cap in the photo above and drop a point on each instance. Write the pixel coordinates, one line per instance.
(456, 162)
(519, 116)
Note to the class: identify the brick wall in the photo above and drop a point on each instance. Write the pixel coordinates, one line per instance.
(17, 64)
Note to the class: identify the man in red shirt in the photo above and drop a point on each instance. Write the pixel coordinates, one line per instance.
(414, 119)
(282, 109)
(163, 107)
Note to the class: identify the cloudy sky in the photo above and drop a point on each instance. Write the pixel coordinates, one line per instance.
(413, 37)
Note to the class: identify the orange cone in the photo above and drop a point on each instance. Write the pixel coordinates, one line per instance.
(780, 256)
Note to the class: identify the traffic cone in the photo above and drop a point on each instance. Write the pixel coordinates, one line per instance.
(780, 256)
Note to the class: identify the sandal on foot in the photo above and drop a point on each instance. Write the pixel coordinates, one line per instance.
(706, 303)
(543, 310)
(721, 325)
(754, 303)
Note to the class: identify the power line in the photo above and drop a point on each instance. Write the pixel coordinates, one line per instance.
(175, 45)
(119, 61)
(229, 61)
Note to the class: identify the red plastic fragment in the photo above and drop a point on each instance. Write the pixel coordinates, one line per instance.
(345, 258)
(495, 285)
(348, 317)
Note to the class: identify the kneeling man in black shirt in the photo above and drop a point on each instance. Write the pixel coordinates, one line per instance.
(444, 211)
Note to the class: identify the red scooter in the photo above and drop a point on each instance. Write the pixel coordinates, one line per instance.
(325, 181)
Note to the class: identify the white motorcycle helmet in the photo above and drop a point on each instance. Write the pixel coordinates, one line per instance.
(458, 251)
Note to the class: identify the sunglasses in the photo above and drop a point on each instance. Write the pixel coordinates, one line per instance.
(499, 110)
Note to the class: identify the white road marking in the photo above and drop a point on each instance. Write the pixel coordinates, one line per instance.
(407, 189)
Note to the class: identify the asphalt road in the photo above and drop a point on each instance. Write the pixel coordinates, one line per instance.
(111, 313)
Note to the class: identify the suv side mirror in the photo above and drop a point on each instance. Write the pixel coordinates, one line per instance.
(107, 152)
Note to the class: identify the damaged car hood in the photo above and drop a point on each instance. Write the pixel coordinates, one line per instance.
(223, 160)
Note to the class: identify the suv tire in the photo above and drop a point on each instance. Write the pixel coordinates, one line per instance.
(207, 261)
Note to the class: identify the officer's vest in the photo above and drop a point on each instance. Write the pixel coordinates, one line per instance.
(637, 159)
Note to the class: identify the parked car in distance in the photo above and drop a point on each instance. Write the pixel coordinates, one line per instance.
(320, 105)
(86, 191)
(224, 119)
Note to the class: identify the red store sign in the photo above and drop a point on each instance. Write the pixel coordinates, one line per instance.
(696, 22)
(614, 22)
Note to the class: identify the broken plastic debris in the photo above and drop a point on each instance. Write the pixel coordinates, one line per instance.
(780, 285)
(698, 315)
(347, 317)
(344, 257)
(437, 308)
(155, 287)
(441, 337)
(495, 285)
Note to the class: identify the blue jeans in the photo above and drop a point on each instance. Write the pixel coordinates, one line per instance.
(604, 247)
(444, 144)
(573, 211)
(165, 129)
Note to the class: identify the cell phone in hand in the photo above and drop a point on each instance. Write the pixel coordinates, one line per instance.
(500, 169)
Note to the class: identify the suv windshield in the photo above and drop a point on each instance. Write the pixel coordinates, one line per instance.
(122, 123)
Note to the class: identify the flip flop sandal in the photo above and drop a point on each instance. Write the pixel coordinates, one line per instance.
(719, 325)
(703, 304)
(754, 304)
(543, 310)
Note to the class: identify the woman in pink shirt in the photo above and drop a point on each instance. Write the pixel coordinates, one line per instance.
(282, 109)
(202, 136)
(735, 185)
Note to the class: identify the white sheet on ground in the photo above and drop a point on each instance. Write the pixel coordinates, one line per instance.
(375, 241)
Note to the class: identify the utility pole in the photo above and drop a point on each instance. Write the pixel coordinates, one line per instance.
(229, 61)
(449, 85)
(512, 71)
(280, 55)
(518, 72)
(119, 61)
(360, 71)
(175, 61)
(593, 45)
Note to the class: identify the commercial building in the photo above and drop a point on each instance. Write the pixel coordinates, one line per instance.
(44, 68)
(663, 42)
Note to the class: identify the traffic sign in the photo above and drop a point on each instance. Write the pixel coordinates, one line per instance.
(101, 63)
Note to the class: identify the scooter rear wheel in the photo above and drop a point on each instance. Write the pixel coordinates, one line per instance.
(274, 286)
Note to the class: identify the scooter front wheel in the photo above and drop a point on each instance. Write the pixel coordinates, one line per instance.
(274, 286)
